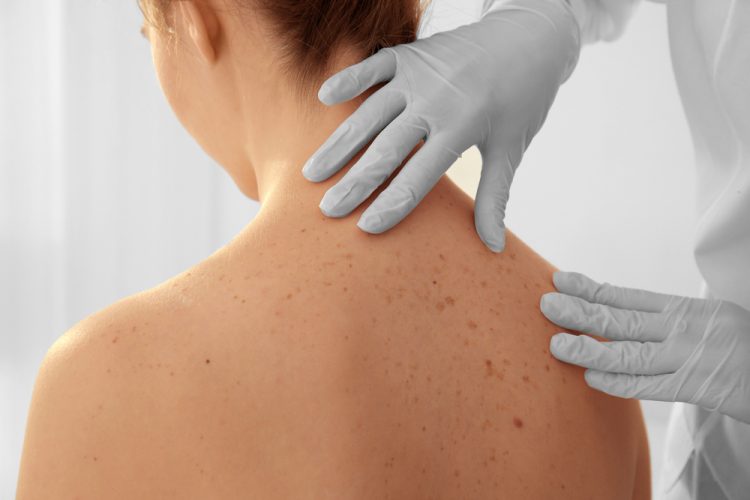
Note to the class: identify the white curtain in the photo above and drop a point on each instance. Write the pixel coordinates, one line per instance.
(103, 194)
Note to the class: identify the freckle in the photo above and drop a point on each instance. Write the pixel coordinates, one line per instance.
(346, 289)
(221, 277)
(440, 306)
(114, 340)
(457, 473)
(95, 459)
(184, 289)
(243, 301)
(517, 422)
(471, 324)
(171, 374)
(208, 361)
(450, 300)
(289, 296)
(302, 230)
(546, 367)
(236, 297)
(525, 378)
(506, 361)
(424, 428)
(488, 367)
(133, 329)
(108, 370)
(484, 284)
(442, 257)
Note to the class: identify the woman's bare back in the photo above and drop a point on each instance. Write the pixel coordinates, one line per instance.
(335, 364)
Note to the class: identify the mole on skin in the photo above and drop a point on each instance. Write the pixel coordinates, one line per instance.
(490, 370)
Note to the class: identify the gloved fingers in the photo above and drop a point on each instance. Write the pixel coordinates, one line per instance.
(492, 197)
(635, 358)
(383, 156)
(652, 387)
(603, 293)
(577, 314)
(354, 133)
(352, 81)
(406, 190)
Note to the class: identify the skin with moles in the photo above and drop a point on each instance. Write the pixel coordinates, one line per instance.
(308, 359)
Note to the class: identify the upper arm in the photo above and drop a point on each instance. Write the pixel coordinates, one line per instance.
(59, 457)
(83, 413)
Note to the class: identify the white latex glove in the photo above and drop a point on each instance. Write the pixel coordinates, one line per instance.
(490, 83)
(663, 348)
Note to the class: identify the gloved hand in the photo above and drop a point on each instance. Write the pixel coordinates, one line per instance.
(664, 348)
(490, 83)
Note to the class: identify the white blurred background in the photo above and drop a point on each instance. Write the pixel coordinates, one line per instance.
(103, 194)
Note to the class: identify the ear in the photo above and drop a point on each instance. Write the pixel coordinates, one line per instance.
(202, 26)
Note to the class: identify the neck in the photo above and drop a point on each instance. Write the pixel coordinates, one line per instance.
(282, 145)
(285, 193)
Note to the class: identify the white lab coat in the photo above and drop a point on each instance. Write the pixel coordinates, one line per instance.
(707, 454)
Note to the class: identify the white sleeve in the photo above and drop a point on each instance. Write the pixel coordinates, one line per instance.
(598, 20)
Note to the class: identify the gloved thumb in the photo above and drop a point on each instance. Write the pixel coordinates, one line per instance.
(498, 167)
(352, 81)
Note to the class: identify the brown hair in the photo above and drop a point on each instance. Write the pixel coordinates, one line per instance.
(311, 30)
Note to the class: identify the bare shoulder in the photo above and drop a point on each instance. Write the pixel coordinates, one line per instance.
(102, 390)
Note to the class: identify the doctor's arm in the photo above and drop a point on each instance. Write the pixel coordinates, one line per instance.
(490, 84)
